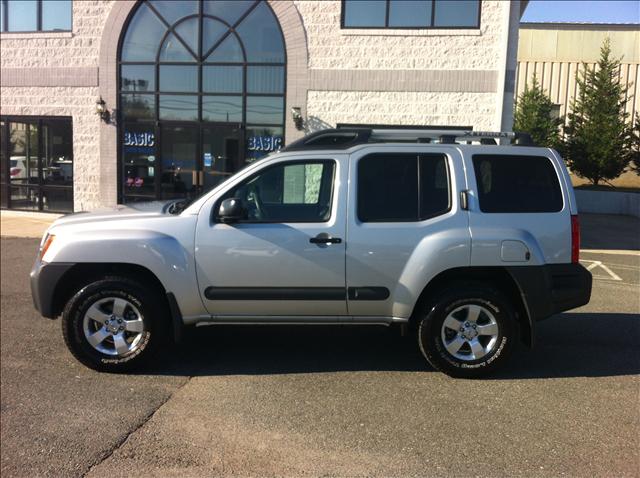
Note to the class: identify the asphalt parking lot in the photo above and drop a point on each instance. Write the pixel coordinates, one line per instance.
(330, 401)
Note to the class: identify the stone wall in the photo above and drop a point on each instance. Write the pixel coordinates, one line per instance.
(63, 58)
(430, 77)
(79, 104)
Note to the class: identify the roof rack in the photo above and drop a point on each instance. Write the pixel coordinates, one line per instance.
(345, 138)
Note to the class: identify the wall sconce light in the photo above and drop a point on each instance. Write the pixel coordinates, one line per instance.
(298, 120)
(101, 110)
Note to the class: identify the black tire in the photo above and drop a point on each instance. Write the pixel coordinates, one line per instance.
(154, 318)
(430, 331)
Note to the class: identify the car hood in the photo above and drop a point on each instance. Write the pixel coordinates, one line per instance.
(134, 211)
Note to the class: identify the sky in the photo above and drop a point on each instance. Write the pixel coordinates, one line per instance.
(606, 11)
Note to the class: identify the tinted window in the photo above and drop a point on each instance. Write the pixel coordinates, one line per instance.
(509, 183)
(434, 186)
(56, 14)
(410, 13)
(389, 190)
(292, 192)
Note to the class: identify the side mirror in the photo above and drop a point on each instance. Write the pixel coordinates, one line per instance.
(232, 210)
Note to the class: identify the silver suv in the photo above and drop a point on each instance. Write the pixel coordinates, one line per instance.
(467, 242)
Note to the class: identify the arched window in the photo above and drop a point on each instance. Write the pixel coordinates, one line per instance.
(202, 88)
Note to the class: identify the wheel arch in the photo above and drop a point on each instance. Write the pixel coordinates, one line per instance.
(81, 274)
(498, 277)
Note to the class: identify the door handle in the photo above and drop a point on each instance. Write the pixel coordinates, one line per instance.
(324, 238)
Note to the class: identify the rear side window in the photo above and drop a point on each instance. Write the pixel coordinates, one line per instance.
(510, 183)
(402, 187)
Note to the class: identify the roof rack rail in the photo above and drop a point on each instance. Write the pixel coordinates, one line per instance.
(345, 138)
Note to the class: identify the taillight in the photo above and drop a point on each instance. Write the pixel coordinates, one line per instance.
(575, 239)
(15, 171)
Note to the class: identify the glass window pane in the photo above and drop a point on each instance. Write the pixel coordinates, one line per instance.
(261, 36)
(265, 110)
(137, 78)
(410, 13)
(364, 13)
(179, 107)
(265, 79)
(178, 157)
(262, 141)
(388, 188)
(503, 188)
(137, 106)
(57, 153)
(222, 79)
(22, 15)
(228, 51)
(298, 192)
(189, 31)
(462, 13)
(434, 186)
(143, 36)
(212, 32)
(177, 79)
(225, 109)
(1, 30)
(56, 14)
(139, 159)
(173, 50)
(174, 10)
(229, 11)
(57, 199)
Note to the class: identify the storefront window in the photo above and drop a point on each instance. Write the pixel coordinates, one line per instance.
(206, 78)
(37, 164)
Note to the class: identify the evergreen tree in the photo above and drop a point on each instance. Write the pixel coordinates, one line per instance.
(635, 150)
(598, 143)
(534, 116)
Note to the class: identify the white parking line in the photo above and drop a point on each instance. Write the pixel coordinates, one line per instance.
(594, 264)
(616, 252)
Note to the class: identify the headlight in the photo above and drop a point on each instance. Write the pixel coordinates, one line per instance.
(48, 240)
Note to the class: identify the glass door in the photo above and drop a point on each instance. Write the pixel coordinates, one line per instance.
(181, 174)
(221, 154)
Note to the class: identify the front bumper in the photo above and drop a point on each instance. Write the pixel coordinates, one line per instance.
(552, 288)
(44, 280)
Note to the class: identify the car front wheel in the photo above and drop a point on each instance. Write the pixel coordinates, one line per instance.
(113, 324)
(468, 332)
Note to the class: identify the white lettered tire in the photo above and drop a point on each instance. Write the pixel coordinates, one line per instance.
(468, 331)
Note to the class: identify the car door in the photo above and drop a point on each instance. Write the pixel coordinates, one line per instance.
(287, 258)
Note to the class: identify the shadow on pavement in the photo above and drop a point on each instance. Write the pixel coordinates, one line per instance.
(608, 231)
(569, 345)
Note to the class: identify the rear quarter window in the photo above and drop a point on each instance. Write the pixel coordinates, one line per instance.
(512, 183)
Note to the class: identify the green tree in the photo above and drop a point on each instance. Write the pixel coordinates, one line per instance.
(635, 150)
(598, 144)
(534, 115)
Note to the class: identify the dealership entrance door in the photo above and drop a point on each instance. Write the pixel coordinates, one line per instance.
(187, 160)
(197, 157)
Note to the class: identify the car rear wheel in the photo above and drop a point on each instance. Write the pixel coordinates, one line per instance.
(468, 332)
(114, 324)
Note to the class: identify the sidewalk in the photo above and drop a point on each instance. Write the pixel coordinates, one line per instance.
(598, 231)
(25, 224)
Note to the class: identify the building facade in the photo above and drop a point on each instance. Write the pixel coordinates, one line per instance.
(555, 52)
(107, 102)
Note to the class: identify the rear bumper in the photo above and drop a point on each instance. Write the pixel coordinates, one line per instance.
(44, 279)
(552, 288)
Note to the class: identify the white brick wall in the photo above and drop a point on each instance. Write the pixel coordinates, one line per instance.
(402, 108)
(333, 48)
(57, 49)
(79, 103)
